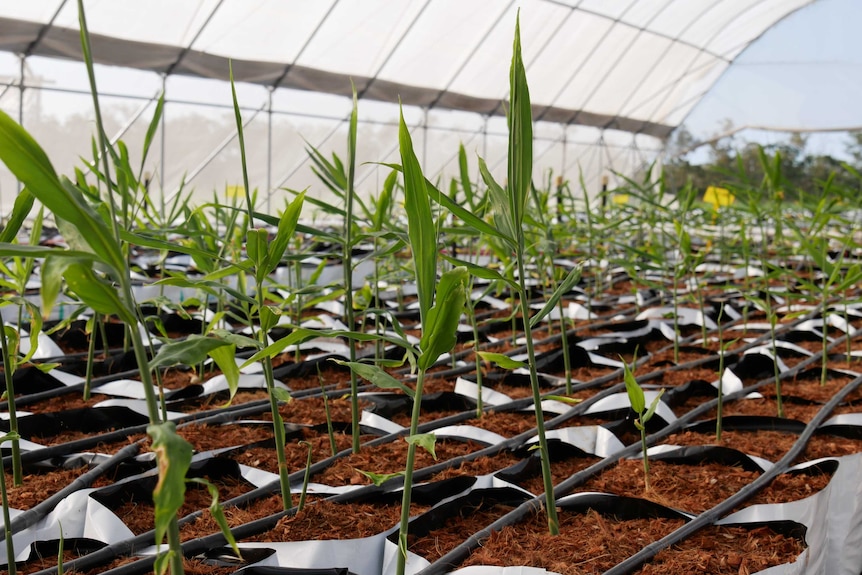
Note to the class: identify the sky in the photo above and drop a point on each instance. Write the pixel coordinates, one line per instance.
(805, 72)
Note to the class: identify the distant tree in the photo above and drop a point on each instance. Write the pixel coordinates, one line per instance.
(740, 164)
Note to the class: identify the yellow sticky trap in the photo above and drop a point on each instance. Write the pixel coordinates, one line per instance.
(718, 197)
(234, 192)
(621, 198)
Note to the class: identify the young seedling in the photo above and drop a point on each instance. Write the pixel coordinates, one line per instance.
(638, 402)
(723, 346)
(333, 448)
(306, 476)
(264, 256)
(509, 209)
(440, 307)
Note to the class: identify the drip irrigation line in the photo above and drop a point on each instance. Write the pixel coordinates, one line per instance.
(266, 523)
(31, 516)
(710, 516)
(535, 505)
(64, 389)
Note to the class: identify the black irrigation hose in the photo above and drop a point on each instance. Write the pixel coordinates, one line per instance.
(218, 415)
(31, 516)
(459, 553)
(65, 389)
(710, 516)
(126, 547)
(103, 555)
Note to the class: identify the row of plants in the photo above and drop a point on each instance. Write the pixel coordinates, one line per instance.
(553, 263)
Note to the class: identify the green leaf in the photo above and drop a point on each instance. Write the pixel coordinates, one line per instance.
(426, 441)
(268, 317)
(20, 211)
(213, 288)
(286, 230)
(46, 367)
(52, 281)
(375, 375)
(142, 240)
(500, 206)
(94, 291)
(174, 455)
(636, 394)
(420, 223)
(29, 163)
(12, 343)
(520, 118)
(481, 271)
(281, 394)
(502, 360)
(466, 184)
(241, 141)
(194, 349)
(217, 512)
(384, 201)
(300, 335)
(439, 327)
(653, 406)
(27, 251)
(379, 479)
(565, 287)
(256, 246)
(151, 129)
(472, 220)
(35, 326)
(563, 399)
(225, 357)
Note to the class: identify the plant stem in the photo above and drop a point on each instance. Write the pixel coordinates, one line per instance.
(408, 475)
(825, 329)
(472, 313)
(775, 370)
(91, 357)
(175, 546)
(550, 503)
(564, 340)
(645, 457)
(10, 544)
(305, 477)
(329, 430)
(8, 372)
(718, 412)
(278, 432)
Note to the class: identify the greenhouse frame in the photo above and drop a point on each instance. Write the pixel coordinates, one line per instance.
(610, 81)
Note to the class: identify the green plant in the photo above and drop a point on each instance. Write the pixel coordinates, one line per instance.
(306, 476)
(638, 403)
(440, 307)
(508, 207)
(264, 256)
(723, 346)
(835, 279)
(217, 512)
(342, 182)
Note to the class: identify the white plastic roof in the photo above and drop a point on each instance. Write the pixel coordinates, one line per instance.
(633, 65)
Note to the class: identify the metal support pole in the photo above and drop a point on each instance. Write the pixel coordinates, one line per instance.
(485, 138)
(425, 140)
(561, 179)
(269, 151)
(163, 126)
(22, 59)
